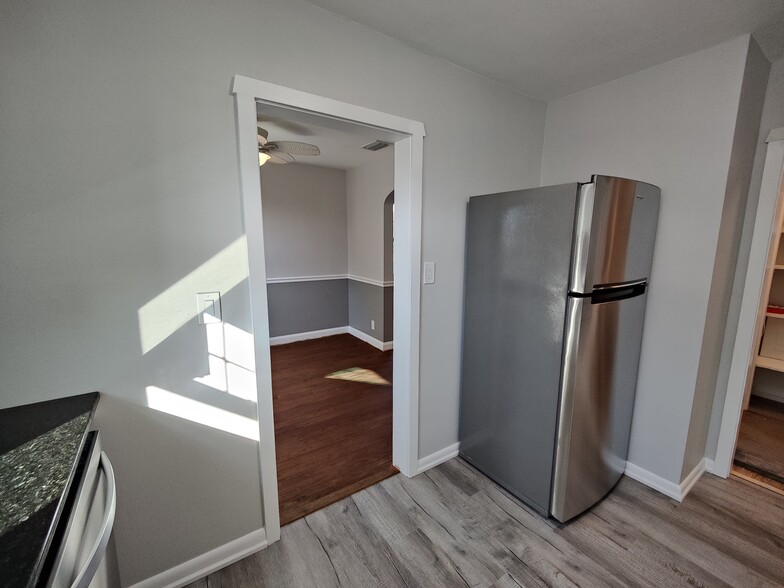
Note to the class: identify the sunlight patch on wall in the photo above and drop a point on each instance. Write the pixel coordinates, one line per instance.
(201, 413)
(231, 361)
(176, 305)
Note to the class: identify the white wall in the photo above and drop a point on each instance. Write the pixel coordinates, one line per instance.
(721, 319)
(304, 220)
(671, 125)
(367, 186)
(120, 184)
(772, 117)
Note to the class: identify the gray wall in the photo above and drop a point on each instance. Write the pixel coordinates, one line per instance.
(366, 303)
(772, 117)
(305, 235)
(304, 208)
(720, 323)
(367, 187)
(301, 307)
(120, 184)
(672, 125)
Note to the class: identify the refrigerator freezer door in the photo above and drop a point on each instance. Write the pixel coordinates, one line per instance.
(615, 229)
(518, 250)
(601, 356)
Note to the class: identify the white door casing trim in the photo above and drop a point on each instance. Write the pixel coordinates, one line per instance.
(407, 254)
(743, 354)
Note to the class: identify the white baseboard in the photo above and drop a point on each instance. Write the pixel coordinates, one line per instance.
(205, 564)
(382, 346)
(439, 457)
(294, 337)
(710, 466)
(688, 482)
(666, 487)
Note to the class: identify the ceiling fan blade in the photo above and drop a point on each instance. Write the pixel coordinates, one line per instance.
(294, 147)
(279, 157)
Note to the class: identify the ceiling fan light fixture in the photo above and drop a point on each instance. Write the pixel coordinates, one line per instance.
(263, 158)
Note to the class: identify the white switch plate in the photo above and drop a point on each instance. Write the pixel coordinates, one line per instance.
(208, 305)
(372, 325)
(429, 272)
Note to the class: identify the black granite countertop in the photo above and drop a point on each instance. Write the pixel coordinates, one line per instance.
(40, 445)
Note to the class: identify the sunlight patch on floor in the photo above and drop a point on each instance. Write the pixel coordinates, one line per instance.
(357, 374)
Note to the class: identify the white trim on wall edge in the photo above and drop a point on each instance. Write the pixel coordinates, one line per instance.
(666, 487)
(380, 345)
(438, 457)
(206, 563)
(370, 281)
(294, 337)
(307, 279)
(294, 279)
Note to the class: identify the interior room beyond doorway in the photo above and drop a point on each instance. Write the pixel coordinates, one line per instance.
(328, 252)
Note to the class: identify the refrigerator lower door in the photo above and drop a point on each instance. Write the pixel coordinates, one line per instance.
(601, 357)
(517, 264)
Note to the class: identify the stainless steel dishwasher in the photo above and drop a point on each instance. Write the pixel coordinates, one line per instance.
(86, 557)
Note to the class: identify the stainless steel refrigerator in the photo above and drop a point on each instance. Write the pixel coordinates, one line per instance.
(555, 293)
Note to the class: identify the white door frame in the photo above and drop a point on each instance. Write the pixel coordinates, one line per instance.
(407, 255)
(768, 219)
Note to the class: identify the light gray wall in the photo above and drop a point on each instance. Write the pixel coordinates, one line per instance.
(772, 117)
(671, 125)
(301, 307)
(367, 187)
(120, 183)
(304, 208)
(719, 324)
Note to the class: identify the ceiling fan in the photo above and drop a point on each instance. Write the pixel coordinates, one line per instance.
(282, 151)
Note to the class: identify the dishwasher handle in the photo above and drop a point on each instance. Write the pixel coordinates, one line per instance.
(85, 575)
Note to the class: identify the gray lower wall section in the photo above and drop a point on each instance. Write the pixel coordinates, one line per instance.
(367, 302)
(300, 307)
(389, 300)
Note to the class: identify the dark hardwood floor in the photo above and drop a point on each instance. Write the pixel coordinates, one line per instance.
(333, 421)
(452, 526)
(761, 439)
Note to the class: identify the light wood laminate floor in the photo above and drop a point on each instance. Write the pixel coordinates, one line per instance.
(452, 526)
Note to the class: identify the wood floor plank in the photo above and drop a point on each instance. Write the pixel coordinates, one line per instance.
(360, 559)
(754, 551)
(452, 526)
(332, 436)
(394, 514)
(761, 438)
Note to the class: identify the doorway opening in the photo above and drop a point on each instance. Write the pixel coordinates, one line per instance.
(751, 434)
(407, 137)
(330, 305)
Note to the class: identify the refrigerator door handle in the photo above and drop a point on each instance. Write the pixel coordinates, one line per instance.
(616, 293)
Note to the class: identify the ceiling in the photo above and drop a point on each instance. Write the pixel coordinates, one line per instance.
(340, 142)
(551, 48)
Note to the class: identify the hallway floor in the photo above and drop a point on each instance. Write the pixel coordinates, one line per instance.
(452, 526)
(332, 400)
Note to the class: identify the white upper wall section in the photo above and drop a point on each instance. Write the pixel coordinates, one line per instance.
(367, 187)
(673, 126)
(304, 208)
(552, 48)
(120, 184)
